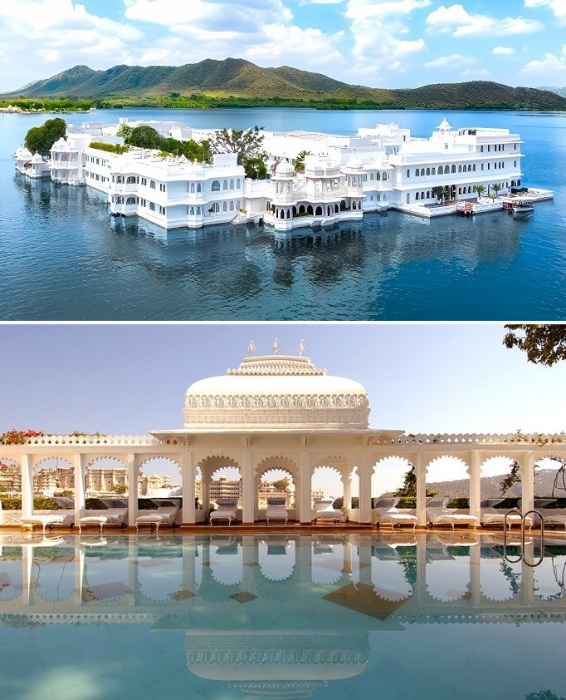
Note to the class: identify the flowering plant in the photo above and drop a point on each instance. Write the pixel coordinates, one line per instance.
(18, 437)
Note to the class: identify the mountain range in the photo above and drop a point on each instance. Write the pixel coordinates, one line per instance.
(236, 78)
(491, 486)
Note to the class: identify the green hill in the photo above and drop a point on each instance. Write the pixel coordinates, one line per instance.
(210, 83)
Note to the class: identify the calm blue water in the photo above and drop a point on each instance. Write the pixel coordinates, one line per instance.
(402, 617)
(63, 258)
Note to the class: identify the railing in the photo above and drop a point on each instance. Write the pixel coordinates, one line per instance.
(521, 558)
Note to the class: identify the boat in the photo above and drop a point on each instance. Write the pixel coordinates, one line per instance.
(465, 208)
(517, 205)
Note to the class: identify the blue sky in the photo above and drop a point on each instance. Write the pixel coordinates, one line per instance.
(131, 378)
(380, 43)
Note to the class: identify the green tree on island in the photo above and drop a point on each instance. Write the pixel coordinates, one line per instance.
(479, 190)
(496, 188)
(299, 161)
(40, 139)
(247, 143)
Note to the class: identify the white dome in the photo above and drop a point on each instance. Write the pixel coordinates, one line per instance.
(276, 391)
(355, 163)
(285, 168)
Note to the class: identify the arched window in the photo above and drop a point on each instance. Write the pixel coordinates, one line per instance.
(408, 173)
(434, 171)
(440, 170)
(199, 187)
(288, 213)
(224, 206)
(231, 184)
(191, 211)
(225, 185)
(231, 206)
(384, 176)
(318, 211)
(192, 187)
(474, 167)
(377, 176)
(459, 168)
(417, 196)
(428, 171)
(131, 180)
(215, 186)
(238, 183)
(131, 200)
(453, 168)
(215, 208)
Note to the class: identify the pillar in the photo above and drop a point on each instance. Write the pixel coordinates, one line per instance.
(248, 491)
(527, 463)
(347, 488)
(188, 487)
(304, 514)
(420, 473)
(26, 467)
(79, 469)
(132, 471)
(365, 474)
(475, 483)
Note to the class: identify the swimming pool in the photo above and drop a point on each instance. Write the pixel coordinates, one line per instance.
(222, 617)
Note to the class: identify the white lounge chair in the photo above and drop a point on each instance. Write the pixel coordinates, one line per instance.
(551, 516)
(114, 516)
(165, 514)
(387, 514)
(227, 510)
(324, 510)
(64, 516)
(438, 514)
(490, 516)
(276, 510)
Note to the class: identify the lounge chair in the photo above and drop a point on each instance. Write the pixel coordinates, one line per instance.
(490, 516)
(387, 514)
(64, 516)
(438, 514)
(165, 514)
(276, 510)
(324, 510)
(227, 510)
(550, 516)
(114, 516)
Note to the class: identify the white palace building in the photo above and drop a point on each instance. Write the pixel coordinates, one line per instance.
(278, 412)
(344, 176)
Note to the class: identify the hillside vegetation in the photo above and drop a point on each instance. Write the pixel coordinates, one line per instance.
(237, 83)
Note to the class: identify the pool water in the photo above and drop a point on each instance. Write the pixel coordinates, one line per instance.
(222, 617)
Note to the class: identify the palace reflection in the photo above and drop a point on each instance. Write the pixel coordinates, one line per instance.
(279, 615)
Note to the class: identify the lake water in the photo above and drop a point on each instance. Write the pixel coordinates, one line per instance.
(227, 617)
(62, 257)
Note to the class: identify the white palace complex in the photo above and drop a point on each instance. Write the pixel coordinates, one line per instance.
(344, 176)
(278, 412)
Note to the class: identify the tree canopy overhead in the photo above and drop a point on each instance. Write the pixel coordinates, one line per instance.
(248, 144)
(544, 344)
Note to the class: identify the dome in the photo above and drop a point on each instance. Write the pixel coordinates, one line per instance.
(354, 163)
(276, 392)
(285, 169)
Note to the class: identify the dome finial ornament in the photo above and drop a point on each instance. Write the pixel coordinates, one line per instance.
(276, 347)
(251, 349)
(302, 348)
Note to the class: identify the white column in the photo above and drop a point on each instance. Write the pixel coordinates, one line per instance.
(132, 470)
(475, 483)
(420, 473)
(304, 514)
(365, 472)
(347, 488)
(527, 464)
(79, 483)
(188, 487)
(27, 484)
(248, 491)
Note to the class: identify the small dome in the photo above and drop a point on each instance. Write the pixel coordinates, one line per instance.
(354, 163)
(285, 169)
(276, 391)
(37, 158)
(60, 145)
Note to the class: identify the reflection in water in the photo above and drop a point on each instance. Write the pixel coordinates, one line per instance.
(283, 615)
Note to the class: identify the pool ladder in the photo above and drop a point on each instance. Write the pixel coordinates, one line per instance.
(521, 557)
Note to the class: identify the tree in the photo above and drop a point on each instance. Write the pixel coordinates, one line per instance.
(144, 137)
(299, 161)
(125, 131)
(40, 139)
(544, 344)
(438, 192)
(479, 190)
(119, 489)
(247, 144)
(496, 188)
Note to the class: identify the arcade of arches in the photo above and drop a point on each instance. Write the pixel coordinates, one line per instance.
(280, 412)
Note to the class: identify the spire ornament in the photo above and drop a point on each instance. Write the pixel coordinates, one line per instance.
(302, 348)
(276, 347)
(251, 349)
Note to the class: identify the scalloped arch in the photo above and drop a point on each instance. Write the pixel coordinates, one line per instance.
(277, 462)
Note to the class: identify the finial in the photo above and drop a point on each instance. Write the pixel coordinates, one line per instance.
(302, 348)
(276, 347)
(251, 349)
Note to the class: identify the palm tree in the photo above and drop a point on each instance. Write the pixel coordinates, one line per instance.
(479, 190)
(438, 192)
(496, 188)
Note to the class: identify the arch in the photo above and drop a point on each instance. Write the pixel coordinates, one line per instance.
(106, 476)
(159, 477)
(453, 168)
(318, 211)
(440, 170)
(53, 475)
(131, 200)
(131, 179)
(433, 172)
(10, 476)
(215, 187)
(428, 171)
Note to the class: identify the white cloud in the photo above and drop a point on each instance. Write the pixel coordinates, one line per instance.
(455, 60)
(367, 9)
(551, 66)
(558, 7)
(59, 34)
(455, 20)
(503, 51)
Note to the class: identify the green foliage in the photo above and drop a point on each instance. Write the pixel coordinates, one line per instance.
(513, 477)
(247, 143)
(299, 161)
(40, 139)
(109, 147)
(62, 104)
(458, 503)
(544, 344)
(39, 503)
(148, 137)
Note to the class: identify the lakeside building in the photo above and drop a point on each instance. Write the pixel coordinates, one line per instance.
(344, 176)
(278, 412)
